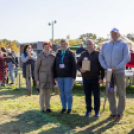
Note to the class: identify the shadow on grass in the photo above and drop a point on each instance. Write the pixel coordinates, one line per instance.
(132, 132)
(11, 93)
(73, 120)
(109, 124)
(33, 120)
(57, 130)
(29, 121)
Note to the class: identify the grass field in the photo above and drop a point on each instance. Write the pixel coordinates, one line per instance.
(20, 113)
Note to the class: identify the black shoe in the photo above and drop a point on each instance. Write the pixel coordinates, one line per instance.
(87, 113)
(49, 111)
(43, 111)
(68, 111)
(63, 111)
(11, 83)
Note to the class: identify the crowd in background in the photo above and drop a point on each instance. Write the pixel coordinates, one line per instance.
(8, 64)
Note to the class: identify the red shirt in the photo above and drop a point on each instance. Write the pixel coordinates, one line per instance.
(3, 63)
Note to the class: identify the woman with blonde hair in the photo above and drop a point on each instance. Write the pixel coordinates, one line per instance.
(65, 74)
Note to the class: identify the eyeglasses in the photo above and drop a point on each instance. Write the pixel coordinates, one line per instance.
(63, 44)
(29, 47)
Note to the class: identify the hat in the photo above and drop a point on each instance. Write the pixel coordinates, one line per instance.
(115, 30)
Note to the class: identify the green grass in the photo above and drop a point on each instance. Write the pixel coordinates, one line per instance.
(20, 113)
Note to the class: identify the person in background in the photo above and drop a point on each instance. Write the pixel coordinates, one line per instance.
(3, 49)
(91, 79)
(15, 58)
(131, 50)
(10, 64)
(28, 57)
(3, 68)
(65, 74)
(81, 49)
(44, 76)
(115, 55)
(98, 48)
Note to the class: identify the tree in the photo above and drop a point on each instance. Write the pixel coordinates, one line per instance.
(68, 37)
(87, 36)
(51, 40)
(9, 44)
(57, 41)
(130, 36)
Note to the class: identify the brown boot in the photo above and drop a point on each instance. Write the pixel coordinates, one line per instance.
(118, 118)
(112, 117)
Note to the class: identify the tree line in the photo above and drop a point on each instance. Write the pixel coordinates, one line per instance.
(9, 44)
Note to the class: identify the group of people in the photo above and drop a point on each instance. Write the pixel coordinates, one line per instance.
(48, 69)
(8, 63)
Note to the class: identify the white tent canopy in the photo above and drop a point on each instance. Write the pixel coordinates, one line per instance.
(125, 39)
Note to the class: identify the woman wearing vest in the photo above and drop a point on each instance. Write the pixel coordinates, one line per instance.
(65, 74)
(44, 76)
(28, 57)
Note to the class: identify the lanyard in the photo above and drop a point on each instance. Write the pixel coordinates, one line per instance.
(62, 54)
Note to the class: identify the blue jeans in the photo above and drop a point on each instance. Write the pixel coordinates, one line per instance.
(11, 74)
(11, 71)
(65, 86)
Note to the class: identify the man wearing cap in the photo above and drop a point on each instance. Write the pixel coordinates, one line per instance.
(115, 55)
(92, 78)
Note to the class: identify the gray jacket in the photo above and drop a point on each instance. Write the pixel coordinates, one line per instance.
(114, 55)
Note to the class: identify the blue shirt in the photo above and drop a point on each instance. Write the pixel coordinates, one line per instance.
(114, 55)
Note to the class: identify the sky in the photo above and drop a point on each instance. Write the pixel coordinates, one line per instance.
(27, 20)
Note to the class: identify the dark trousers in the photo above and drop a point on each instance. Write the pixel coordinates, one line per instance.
(89, 87)
(34, 82)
